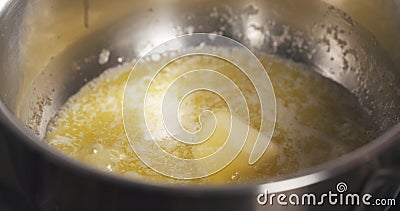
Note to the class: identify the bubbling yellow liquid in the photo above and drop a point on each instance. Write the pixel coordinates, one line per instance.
(317, 121)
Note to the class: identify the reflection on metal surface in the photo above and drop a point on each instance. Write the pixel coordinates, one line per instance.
(3, 3)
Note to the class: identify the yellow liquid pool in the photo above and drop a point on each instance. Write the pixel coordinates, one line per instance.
(317, 121)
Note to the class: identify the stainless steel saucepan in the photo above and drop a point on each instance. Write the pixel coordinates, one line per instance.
(49, 49)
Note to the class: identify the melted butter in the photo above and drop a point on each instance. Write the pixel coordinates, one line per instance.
(317, 121)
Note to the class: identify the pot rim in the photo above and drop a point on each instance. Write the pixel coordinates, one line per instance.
(300, 179)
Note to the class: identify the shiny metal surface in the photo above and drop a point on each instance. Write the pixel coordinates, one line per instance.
(50, 49)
